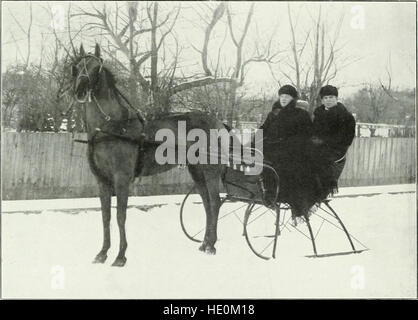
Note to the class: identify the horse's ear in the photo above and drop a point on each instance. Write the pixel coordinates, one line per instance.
(97, 50)
(82, 52)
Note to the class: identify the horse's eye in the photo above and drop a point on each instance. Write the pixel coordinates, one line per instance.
(74, 71)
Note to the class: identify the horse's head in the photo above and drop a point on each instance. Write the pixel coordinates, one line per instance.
(86, 71)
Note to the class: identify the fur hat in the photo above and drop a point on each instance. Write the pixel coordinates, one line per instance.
(290, 90)
(328, 90)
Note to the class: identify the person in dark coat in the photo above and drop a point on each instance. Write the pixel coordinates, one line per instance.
(285, 121)
(286, 132)
(333, 133)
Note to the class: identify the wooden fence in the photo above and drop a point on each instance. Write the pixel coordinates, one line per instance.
(52, 165)
(363, 129)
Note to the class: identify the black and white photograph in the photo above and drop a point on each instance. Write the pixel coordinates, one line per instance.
(208, 150)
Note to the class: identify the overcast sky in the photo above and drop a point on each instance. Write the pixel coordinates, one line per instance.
(385, 37)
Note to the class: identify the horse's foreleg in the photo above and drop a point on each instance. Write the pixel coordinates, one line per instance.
(105, 199)
(212, 222)
(122, 193)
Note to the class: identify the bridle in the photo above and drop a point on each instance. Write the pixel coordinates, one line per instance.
(84, 73)
(109, 122)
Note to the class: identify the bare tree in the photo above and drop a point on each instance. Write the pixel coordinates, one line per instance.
(376, 100)
(379, 102)
(27, 33)
(141, 38)
(259, 54)
(10, 100)
(237, 71)
(124, 39)
(387, 87)
(315, 59)
(371, 104)
(399, 99)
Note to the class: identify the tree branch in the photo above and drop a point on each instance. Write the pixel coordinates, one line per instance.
(294, 51)
(28, 33)
(198, 83)
(216, 16)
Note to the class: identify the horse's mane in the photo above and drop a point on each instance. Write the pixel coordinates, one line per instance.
(110, 79)
(111, 84)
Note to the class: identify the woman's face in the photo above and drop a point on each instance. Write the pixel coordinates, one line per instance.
(329, 101)
(285, 99)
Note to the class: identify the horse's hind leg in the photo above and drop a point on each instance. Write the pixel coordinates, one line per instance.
(105, 199)
(122, 193)
(199, 180)
(212, 184)
(207, 182)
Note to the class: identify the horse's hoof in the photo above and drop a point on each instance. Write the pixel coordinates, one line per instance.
(100, 258)
(207, 249)
(210, 250)
(203, 247)
(119, 262)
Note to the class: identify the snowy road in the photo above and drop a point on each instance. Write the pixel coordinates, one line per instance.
(48, 246)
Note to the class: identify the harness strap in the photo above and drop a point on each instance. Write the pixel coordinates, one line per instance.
(139, 141)
(138, 113)
(111, 136)
(341, 159)
(81, 141)
(106, 117)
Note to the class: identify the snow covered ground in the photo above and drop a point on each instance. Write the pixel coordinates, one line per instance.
(48, 246)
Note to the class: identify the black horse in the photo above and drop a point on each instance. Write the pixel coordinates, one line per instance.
(119, 150)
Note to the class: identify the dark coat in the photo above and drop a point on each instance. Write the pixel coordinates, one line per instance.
(286, 132)
(283, 123)
(335, 127)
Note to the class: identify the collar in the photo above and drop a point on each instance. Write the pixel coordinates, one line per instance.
(277, 105)
(327, 109)
(290, 105)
